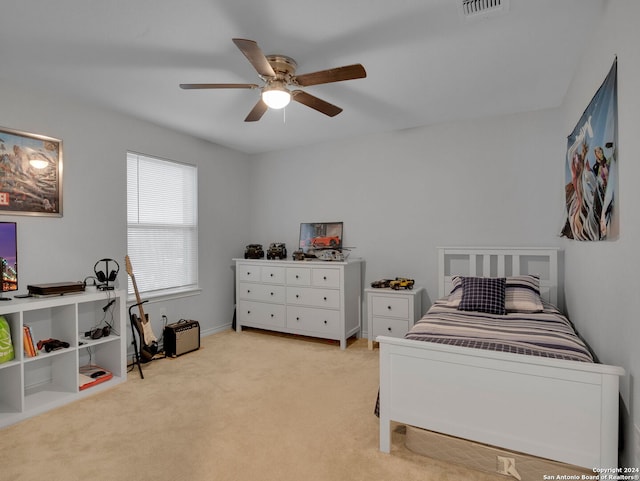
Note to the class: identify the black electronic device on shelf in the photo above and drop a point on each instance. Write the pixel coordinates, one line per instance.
(55, 288)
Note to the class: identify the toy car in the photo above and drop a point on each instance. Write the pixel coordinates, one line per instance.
(254, 251)
(325, 241)
(382, 283)
(52, 345)
(277, 250)
(401, 283)
(298, 255)
(330, 255)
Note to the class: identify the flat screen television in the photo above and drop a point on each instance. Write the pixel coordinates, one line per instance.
(8, 257)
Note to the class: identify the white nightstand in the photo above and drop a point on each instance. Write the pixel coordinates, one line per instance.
(392, 313)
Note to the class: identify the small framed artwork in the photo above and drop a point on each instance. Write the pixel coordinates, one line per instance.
(30, 174)
(320, 235)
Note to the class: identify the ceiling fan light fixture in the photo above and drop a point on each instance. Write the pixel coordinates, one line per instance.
(276, 95)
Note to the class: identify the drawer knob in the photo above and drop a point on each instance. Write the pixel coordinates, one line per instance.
(325, 298)
(272, 316)
(272, 293)
(271, 275)
(297, 276)
(248, 312)
(297, 296)
(389, 329)
(324, 278)
(248, 273)
(389, 307)
(325, 321)
(297, 318)
(248, 291)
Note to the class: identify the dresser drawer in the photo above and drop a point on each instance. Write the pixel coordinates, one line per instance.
(247, 272)
(389, 306)
(298, 276)
(261, 292)
(321, 277)
(272, 274)
(253, 313)
(308, 296)
(313, 320)
(389, 327)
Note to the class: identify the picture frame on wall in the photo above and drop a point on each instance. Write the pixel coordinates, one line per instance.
(320, 235)
(30, 174)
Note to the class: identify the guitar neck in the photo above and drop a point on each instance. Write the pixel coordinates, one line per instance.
(143, 317)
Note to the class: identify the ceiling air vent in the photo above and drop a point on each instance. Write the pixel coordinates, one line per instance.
(476, 9)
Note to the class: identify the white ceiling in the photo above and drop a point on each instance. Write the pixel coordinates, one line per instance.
(425, 64)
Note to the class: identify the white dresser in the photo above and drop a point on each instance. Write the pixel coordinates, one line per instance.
(309, 298)
(392, 313)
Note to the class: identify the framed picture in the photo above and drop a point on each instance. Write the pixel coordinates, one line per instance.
(30, 174)
(320, 235)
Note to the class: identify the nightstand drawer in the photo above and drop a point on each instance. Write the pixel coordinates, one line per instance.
(392, 313)
(389, 327)
(388, 306)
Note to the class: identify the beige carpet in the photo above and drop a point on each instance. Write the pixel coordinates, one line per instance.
(248, 406)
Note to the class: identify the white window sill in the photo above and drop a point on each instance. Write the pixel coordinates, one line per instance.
(165, 296)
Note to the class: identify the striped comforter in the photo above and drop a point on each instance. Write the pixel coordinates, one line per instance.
(545, 334)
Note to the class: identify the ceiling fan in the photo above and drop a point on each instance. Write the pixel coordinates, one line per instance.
(281, 82)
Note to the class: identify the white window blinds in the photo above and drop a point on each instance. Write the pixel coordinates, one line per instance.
(162, 224)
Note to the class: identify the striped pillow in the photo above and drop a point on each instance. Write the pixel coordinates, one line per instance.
(483, 294)
(522, 293)
(455, 296)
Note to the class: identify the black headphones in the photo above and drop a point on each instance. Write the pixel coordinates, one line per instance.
(102, 276)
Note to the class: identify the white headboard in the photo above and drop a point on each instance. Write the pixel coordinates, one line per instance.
(500, 262)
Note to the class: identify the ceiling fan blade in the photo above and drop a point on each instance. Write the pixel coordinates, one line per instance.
(255, 56)
(218, 86)
(257, 111)
(348, 72)
(315, 103)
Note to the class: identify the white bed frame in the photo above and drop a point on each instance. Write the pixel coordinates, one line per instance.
(566, 411)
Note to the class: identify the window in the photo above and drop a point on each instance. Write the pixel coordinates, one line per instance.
(162, 224)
